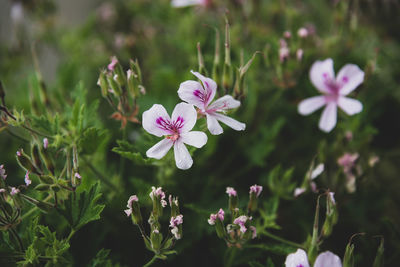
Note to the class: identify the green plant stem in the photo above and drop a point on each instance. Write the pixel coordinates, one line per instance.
(35, 208)
(231, 257)
(99, 175)
(151, 261)
(16, 236)
(122, 161)
(282, 240)
(71, 234)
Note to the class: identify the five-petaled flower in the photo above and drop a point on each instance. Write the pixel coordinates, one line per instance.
(176, 131)
(201, 95)
(334, 92)
(325, 259)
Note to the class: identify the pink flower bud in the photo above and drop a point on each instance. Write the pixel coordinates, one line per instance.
(27, 180)
(287, 34)
(3, 172)
(45, 143)
(231, 191)
(14, 191)
(302, 32)
(114, 62)
(256, 189)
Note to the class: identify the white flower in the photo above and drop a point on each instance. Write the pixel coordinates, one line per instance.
(176, 131)
(334, 92)
(201, 95)
(184, 3)
(325, 259)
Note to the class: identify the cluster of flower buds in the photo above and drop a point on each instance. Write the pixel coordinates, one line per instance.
(121, 90)
(155, 242)
(284, 48)
(350, 169)
(241, 228)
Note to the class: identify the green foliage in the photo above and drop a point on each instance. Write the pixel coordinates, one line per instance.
(83, 208)
(127, 150)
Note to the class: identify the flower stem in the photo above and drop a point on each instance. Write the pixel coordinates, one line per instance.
(282, 240)
(70, 234)
(151, 261)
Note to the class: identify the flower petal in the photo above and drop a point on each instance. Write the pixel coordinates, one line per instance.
(309, 105)
(320, 72)
(160, 149)
(224, 103)
(195, 138)
(327, 259)
(350, 76)
(183, 159)
(188, 92)
(349, 105)
(328, 118)
(150, 118)
(184, 3)
(234, 124)
(187, 113)
(213, 125)
(209, 85)
(299, 258)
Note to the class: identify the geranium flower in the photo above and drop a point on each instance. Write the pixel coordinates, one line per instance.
(201, 95)
(176, 131)
(334, 92)
(325, 259)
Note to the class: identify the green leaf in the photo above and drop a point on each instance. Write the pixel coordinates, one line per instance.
(127, 151)
(91, 140)
(30, 255)
(84, 208)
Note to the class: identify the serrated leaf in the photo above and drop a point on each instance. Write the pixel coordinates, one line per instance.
(84, 208)
(30, 255)
(92, 138)
(127, 151)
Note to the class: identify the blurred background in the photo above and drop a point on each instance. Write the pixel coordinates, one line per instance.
(66, 44)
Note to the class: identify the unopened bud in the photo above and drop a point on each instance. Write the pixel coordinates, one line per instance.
(379, 259)
(36, 156)
(156, 239)
(102, 82)
(114, 85)
(174, 204)
(26, 163)
(48, 162)
(255, 191)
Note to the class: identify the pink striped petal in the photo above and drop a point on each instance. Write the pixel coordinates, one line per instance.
(187, 113)
(189, 92)
(224, 103)
(328, 118)
(309, 105)
(349, 105)
(210, 87)
(349, 77)
(150, 118)
(320, 72)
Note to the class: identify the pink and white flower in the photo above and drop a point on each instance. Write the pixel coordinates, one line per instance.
(253, 229)
(3, 172)
(113, 63)
(241, 221)
(131, 199)
(256, 189)
(231, 191)
(45, 143)
(325, 259)
(14, 191)
(27, 180)
(176, 130)
(201, 96)
(334, 92)
(219, 215)
(185, 3)
(158, 193)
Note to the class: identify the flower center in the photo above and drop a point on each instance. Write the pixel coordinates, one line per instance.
(334, 86)
(204, 95)
(173, 127)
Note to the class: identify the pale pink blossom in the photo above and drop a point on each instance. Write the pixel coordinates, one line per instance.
(298, 191)
(27, 180)
(219, 215)
(317, 171)
(287, 34)
(347, 161)
(2, 190)
(325, 259)
(201, 96)
(14, 191)
(3, 172)
(185, 3)
(299, 54)
(45, 143)
(231, 191)
(256, 189)
(131, 199)
(176, 131)
(158, 193)
(175, 221)
(302, 32)
(175, 232)
(284, 51)
(77, 175)
(253, 229)
(332, 197)
(213, 219)
(19, 152)
(113, 63)
(334, 92)
(241, 221)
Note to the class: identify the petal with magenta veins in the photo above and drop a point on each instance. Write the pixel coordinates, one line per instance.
(184, 117)
(349, 105)
(190, 92)
(160, 149)
(151, 120)
(183, 160)
(320, 73)
(224, 103)
(210, 87)
(349, 77)
(309, 105)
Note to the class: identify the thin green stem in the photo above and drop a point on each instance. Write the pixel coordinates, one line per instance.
(32, 210)
(122, 161)
(282, 240)
(232, 253)
(71, 234)
(16, 136)
(151, 261)
(99, 175)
